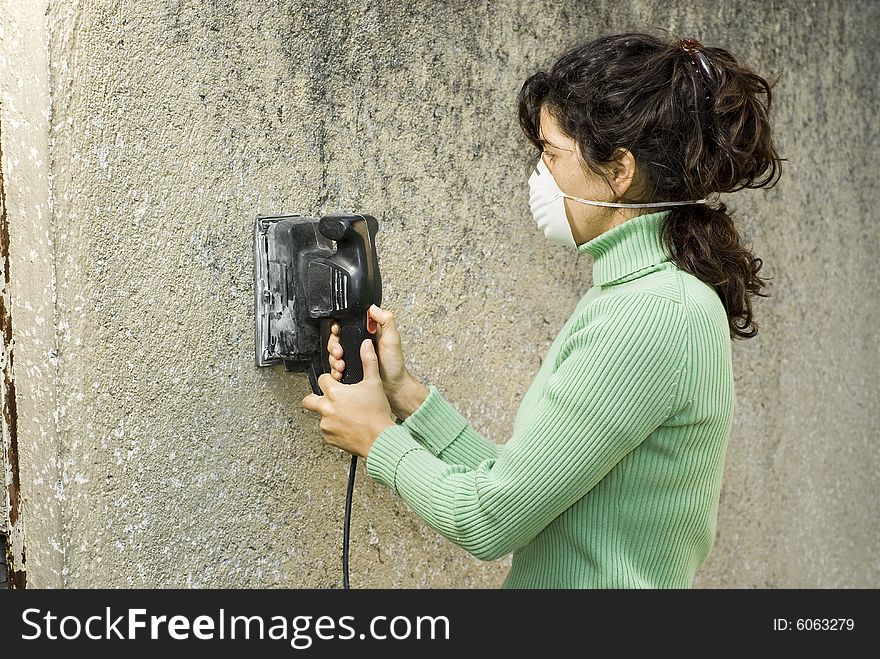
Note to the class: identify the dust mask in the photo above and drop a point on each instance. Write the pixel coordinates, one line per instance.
(547, 203)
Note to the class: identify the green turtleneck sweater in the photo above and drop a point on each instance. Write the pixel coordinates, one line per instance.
(612, 474)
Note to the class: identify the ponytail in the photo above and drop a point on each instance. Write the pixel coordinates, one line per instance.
(704, 241)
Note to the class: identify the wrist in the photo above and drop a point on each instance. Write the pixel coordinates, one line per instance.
(408, 398)
(377, 429)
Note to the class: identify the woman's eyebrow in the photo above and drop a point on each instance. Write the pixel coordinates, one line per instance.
(546, 143)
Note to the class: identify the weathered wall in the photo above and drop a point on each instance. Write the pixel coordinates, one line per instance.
(174, 123)
(30, 440)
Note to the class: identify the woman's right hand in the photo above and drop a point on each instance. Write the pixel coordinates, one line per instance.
(392, 367)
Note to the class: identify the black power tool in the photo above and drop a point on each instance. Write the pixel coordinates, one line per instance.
(308, 273)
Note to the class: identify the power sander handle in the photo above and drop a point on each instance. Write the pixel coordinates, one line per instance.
(353, 294)
(351, 335)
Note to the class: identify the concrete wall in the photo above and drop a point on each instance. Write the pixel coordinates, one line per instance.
(154, 453)
(32, 444)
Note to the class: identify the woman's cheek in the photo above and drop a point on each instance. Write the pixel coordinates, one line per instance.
(566, 182)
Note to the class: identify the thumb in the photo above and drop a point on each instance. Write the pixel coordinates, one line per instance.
(369, 360)
(385, 319)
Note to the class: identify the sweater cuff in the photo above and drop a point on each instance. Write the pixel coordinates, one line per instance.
(436, 421)
(387, 451)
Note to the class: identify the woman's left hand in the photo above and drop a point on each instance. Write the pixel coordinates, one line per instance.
(353, 415)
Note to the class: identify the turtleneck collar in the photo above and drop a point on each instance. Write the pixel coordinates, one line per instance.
(627, 248)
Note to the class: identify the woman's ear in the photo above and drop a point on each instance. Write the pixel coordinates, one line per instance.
(621, 170)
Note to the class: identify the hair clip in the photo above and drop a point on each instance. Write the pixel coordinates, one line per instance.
(696, 52)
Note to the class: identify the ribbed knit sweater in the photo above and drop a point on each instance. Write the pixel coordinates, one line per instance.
(612, 474)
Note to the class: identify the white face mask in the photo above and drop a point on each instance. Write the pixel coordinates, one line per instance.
(547, 203)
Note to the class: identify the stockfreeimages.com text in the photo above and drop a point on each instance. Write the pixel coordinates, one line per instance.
(301, 631)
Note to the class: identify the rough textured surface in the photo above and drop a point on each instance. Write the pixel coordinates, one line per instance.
(31, 364)
(174, 123)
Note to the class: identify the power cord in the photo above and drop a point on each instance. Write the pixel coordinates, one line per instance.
(347, 523)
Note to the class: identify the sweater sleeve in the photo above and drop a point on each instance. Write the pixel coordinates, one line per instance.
(614, 382)
(441, 429)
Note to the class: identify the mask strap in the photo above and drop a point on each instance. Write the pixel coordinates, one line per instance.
(609, 204)
(658, 204)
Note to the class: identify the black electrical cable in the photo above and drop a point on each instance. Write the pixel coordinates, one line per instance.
(347, 523)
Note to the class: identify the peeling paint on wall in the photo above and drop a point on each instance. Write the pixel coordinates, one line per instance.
(10, 513)
(32, 485)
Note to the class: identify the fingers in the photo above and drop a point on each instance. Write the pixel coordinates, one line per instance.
(337, 365)
(334, 336)
(379, 314)
(321, 403)
(325, 384)
(387, 324)
(388, 329)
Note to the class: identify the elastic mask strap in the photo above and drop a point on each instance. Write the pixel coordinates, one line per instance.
(613, 205)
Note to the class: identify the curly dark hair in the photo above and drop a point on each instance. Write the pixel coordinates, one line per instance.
(694, 120)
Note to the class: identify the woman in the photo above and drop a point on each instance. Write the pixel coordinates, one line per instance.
(612, 475)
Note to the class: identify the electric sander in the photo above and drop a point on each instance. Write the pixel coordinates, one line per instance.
(308, 274)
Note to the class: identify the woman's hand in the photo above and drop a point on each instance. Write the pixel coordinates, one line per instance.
(392, 367)
(353, 415)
